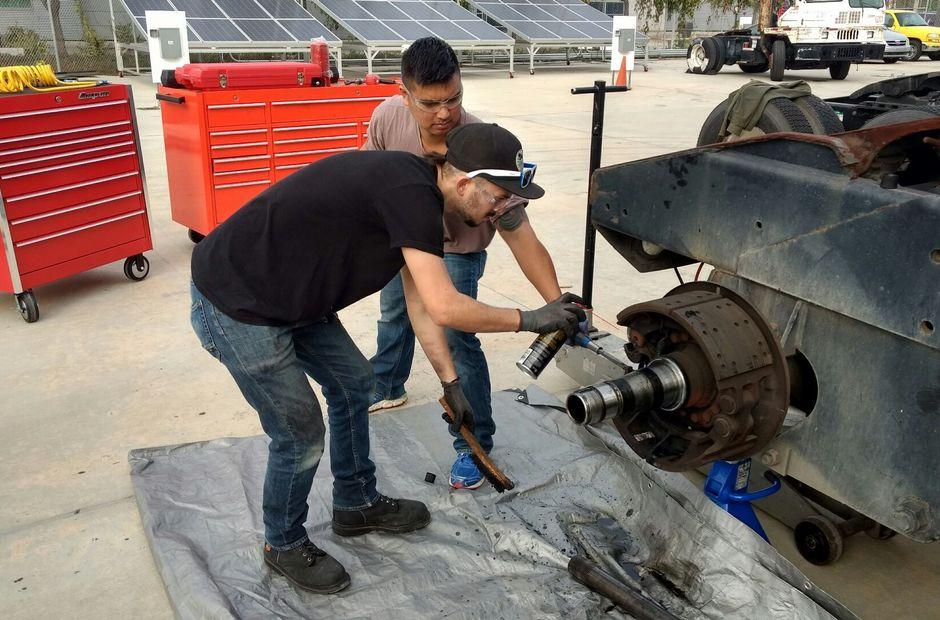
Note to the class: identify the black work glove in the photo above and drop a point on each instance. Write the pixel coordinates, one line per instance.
(560, 314)
(463, 412)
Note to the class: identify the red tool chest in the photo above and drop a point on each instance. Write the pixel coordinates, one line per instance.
(226, 145)
(72, 190)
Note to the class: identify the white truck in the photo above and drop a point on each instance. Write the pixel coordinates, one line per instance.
(811, 34)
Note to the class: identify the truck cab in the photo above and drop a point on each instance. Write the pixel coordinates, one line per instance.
(829, 34)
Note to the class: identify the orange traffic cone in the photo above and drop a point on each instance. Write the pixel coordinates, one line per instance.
(622, 73)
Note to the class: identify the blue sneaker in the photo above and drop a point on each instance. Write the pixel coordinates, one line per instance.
(464, 474)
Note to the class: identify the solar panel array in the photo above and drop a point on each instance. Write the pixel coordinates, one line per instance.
(548, 20)
(402, 21)
(238, 21)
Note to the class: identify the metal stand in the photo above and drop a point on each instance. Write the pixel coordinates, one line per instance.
(726, 485)
(599, 90)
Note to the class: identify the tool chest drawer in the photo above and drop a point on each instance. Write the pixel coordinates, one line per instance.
(228, 114)
(72, 194)
(62, 117)
(325, 109)
(74, 242)
(226, 146)
(18, 153)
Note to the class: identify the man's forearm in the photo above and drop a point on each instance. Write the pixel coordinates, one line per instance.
(534, 260)
(430, 335)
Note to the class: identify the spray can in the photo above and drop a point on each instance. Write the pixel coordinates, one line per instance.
(541, 352)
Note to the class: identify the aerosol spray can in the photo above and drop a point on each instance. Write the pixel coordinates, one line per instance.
(541, 352)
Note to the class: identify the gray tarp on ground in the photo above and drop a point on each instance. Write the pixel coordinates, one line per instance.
(485, 555)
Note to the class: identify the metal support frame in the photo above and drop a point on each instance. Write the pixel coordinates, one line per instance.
(372, 51)
(118, 61)
(599, 90)
(55, 44)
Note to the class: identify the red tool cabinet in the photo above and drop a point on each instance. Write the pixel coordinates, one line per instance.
(72, 190)
(225, 146)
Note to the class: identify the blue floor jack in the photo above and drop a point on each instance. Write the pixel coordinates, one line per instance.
(726, 485)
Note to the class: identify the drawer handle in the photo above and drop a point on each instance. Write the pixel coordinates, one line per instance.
(323, 101)
(239, 145)
(52, 145)
(170, 98)
(320, 139)
(72, 231)
(49, 134)
(68, 154)
(245, 184)
(337, 150)
(63, 109)
(69, 165)
(301, 128)
(226, 106)
(226, 160)
(34, 218)
(236, 132)
(230, 172)
(66, 188)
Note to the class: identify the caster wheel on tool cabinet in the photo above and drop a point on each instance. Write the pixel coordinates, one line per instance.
(511, 75)
(531, 71)
(196, 237)
(29, 309)
(136, 267)
(818, 540)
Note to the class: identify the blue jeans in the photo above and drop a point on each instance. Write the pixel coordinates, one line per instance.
(395, 347)
(270, 366)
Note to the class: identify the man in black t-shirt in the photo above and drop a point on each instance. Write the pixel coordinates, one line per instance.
(268, 282)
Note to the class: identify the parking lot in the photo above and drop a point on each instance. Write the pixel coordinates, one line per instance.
(113, 365)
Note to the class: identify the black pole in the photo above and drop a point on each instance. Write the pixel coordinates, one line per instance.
(599, 90)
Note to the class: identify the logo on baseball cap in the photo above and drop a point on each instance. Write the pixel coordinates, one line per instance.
(493, 153)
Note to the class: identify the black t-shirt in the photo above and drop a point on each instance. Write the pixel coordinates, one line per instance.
(321, 239)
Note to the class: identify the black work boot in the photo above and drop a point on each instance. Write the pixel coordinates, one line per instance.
(308, 567)
(385, 515)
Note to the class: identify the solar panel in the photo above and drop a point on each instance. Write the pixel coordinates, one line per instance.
(398, 22)
(547, 21)
(238, 21)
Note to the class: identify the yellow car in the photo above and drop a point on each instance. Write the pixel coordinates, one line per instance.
(924, 39)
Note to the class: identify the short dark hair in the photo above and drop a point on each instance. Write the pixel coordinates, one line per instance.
(428, 61)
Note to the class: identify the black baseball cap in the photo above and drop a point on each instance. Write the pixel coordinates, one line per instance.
(489, 147)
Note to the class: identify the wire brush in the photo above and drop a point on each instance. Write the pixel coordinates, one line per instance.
(40, 78)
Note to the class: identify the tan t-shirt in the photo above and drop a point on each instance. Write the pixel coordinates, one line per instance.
(393, 128)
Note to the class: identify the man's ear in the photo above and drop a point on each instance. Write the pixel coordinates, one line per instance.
(463, 185)
(404, 95)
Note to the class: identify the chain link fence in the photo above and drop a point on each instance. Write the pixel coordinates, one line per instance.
(74, 36)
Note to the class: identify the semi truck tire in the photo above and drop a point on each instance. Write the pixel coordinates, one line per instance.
(778, 60)
(716, 54)
(779, 115)
(919, 113)
(839, 70)
(820, 115)
(754, 68)
(704, 56)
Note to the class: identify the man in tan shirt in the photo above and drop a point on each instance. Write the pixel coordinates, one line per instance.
(418, 122)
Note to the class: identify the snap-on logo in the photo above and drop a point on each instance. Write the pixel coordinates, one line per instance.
(95, 95)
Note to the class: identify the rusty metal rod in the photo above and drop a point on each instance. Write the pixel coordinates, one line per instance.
(589, 574)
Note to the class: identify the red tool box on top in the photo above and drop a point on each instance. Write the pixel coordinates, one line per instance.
(225, 145)
(72, 194)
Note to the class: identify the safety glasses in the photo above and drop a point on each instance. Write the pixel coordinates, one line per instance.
(525, 175)
(501, 206)
(435, 105)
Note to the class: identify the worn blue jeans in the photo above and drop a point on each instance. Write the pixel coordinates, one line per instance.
(395, 347)
(270, 366)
